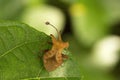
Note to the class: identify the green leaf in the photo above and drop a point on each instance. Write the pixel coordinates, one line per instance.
(21, 50)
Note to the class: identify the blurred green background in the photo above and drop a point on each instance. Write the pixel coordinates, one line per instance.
(92, 28)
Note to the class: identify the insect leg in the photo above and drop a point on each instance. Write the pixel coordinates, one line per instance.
(49, 54)
(58, 57)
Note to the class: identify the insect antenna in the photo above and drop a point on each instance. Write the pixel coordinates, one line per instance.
(59, 35)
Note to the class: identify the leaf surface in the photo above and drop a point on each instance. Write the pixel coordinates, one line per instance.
(21, 50)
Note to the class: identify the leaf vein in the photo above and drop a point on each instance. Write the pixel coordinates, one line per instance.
(11, 50)
(15, 48)
(38, 75)
(3, 42)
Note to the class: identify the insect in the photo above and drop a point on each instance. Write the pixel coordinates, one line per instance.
(53, 58)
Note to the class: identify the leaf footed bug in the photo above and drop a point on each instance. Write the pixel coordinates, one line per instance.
(53, 58)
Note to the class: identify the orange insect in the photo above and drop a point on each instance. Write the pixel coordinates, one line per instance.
(54, 58)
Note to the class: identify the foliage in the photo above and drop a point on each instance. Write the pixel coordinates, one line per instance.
(21, 50)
